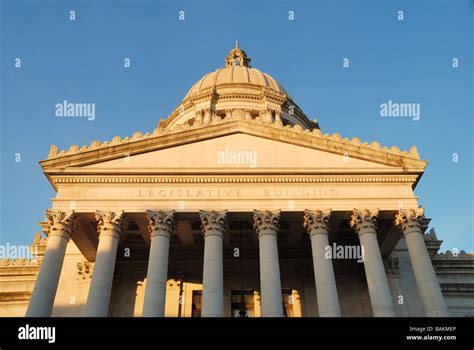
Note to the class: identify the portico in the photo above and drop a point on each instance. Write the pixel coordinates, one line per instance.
(161, 225)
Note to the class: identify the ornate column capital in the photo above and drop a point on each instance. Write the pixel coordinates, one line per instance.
(213, 222)
(160, 223)
(266, 222)
(60, 223)
(317, 221)
(410, 220)
(363, 221)
(109, 223)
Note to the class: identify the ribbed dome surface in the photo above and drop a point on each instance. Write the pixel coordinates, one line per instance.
(235, 75)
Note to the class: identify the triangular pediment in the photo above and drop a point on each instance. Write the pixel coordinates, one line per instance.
(235, 146)
(238, 152)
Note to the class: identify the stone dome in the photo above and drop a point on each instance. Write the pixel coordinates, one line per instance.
(237, 91)
(233, 75)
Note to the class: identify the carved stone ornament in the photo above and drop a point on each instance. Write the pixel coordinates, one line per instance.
(84, 270)
(266, 222)
(410, 220)
(213, 222)
(21, 262)
(39, 240)
(109, 223)
(454, 255)
(430, 236)
(60, 223)
(317, 221)
(53, 151)
(160, 223)
(365, 220)
(237, 57)
(391, 265)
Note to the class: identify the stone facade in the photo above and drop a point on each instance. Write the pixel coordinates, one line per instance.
(236, 204)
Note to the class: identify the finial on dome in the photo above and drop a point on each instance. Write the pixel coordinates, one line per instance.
(237, 57)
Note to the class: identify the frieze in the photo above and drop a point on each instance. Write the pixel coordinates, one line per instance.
(295, 179)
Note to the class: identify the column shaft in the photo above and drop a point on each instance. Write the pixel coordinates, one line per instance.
(379, 291)
(365, 223)
(213, 277)
(157, 275)
(316, 223)
(328, 301)
(161, 225)
(270, 284)
(266, 224)
(44, 292)
(213, 227)
(101, 286)
(409, 221)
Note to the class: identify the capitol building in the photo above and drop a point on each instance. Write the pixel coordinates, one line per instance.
(236, 205)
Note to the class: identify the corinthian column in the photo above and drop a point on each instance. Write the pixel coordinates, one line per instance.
(160, 227)
(213, 227)
(60, 230)
(316, 223)
(109, 227)
(409, 222)
(364, 222)
(266, 223)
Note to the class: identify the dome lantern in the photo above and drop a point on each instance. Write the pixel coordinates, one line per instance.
(237, 57)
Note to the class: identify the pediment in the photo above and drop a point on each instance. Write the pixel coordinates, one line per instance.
(238, 152)
(234, 146)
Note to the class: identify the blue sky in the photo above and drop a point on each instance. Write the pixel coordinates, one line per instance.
(82, 61)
